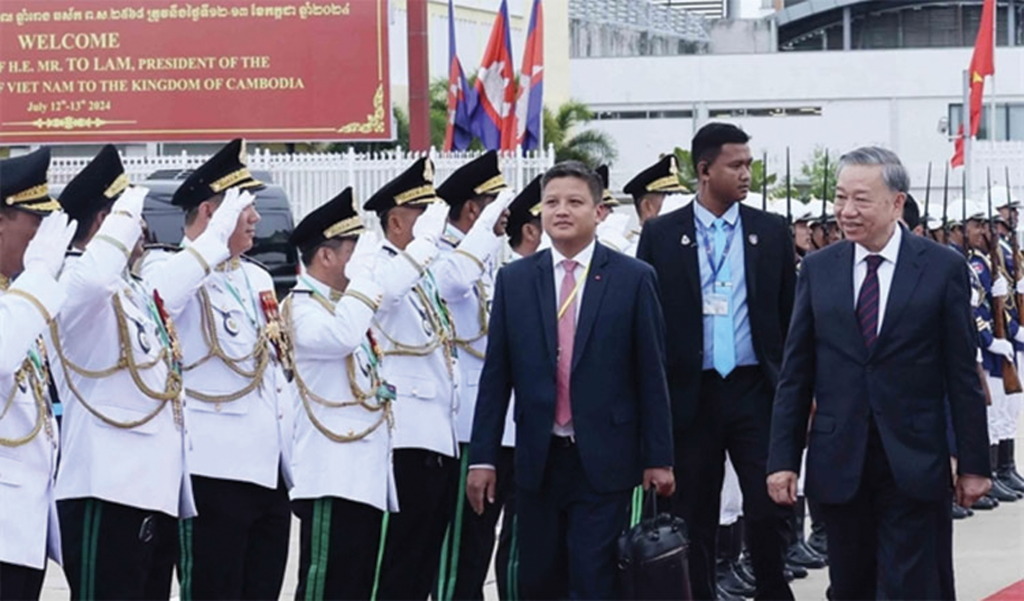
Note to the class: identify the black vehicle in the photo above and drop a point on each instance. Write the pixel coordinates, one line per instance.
(167, 223)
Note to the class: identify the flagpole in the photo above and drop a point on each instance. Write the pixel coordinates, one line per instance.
(967, 128)
(992, 78)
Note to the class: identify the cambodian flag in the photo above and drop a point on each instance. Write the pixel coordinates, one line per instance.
(494, 117)
(461, 99)
(530, 103)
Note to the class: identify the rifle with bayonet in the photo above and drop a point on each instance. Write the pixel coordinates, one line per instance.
(824, 197)
(1015, 245)
(1011, 383)
(927, 196)
(789, 194)
(764, 182)
(945, 207)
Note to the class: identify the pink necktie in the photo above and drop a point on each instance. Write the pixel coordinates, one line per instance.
(566, 337)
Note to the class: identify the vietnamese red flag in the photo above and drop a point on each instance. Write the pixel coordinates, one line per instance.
(982, 65)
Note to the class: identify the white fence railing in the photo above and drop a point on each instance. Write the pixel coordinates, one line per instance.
(312, 179)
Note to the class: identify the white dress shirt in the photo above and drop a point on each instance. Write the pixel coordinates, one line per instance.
(582, 259)
(885, 271)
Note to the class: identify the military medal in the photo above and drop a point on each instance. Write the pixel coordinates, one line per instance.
(230, 325)
(142, 338)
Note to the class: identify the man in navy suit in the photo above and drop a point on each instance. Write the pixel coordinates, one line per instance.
(727, 279)
(881, 335)
(577, 332)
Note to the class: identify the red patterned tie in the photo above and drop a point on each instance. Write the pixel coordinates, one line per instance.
(566, 337)
(867, 302)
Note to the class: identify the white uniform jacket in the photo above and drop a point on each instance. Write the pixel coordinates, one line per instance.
(239, 406)
(465, 278)
(124, 437)
(28, 431)
(343, 422)
(414, 330)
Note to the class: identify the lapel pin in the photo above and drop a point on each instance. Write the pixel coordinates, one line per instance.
(597, 277)
(685, 240)
(753, 239)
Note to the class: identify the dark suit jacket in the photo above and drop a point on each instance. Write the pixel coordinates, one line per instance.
(925, 352)
(670, 243)
(620, 404)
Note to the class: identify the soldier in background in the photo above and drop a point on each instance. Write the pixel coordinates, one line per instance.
(649, 189)
(477, 196)
(238, 402)
(33, 236)
(421, 359)
(344, 479)
(117, 369)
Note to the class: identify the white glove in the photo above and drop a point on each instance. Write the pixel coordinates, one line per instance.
(1001, 347)
(124, 223)
(1020, 286)
(975, 298)
(481, 240)
(131, 202)
(1020, 335)
(45, 252)
(225, 218)
(430, 225)
(1000, 288)
(492, 212)
(363, 261)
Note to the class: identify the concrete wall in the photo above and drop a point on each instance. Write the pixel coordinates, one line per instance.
(895, 98)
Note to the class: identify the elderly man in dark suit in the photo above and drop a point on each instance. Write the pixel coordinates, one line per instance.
(577, 332)
(882, 334)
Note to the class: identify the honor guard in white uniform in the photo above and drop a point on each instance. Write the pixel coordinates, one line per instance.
(344, 480)
(238, 402)
(477, 197)
(29, 529)
(417, 337)
(649, 189)
(116, 365)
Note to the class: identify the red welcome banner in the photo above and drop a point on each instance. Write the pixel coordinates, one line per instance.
(101, 71)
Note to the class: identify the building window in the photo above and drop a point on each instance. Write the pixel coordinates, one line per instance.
(1009, 119)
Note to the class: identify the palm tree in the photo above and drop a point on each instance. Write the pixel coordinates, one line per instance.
(562, 130)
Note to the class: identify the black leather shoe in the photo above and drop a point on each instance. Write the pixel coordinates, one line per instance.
(807, 547)
(746, 574)
(788, 575)
(724, 595)
(985, 503)
(798, 572)
(1001, 493)
(959, 512)
(818, 543)
(1006, 468)
(730, 582)
(800, 555)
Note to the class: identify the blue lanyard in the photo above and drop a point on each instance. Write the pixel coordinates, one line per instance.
(709, 249)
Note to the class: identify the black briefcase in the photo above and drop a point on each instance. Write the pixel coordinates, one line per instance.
(654, 555)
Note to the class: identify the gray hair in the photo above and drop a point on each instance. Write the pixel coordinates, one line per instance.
(894, 174)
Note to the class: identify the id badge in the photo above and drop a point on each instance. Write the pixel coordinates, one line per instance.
(716, 305)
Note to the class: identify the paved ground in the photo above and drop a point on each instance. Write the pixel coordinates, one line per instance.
(989, 556)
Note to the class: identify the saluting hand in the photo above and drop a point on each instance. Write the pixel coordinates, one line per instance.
(782, 487)
(480, 484)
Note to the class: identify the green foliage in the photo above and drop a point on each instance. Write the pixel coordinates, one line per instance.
(562, 129)
(688, 176)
